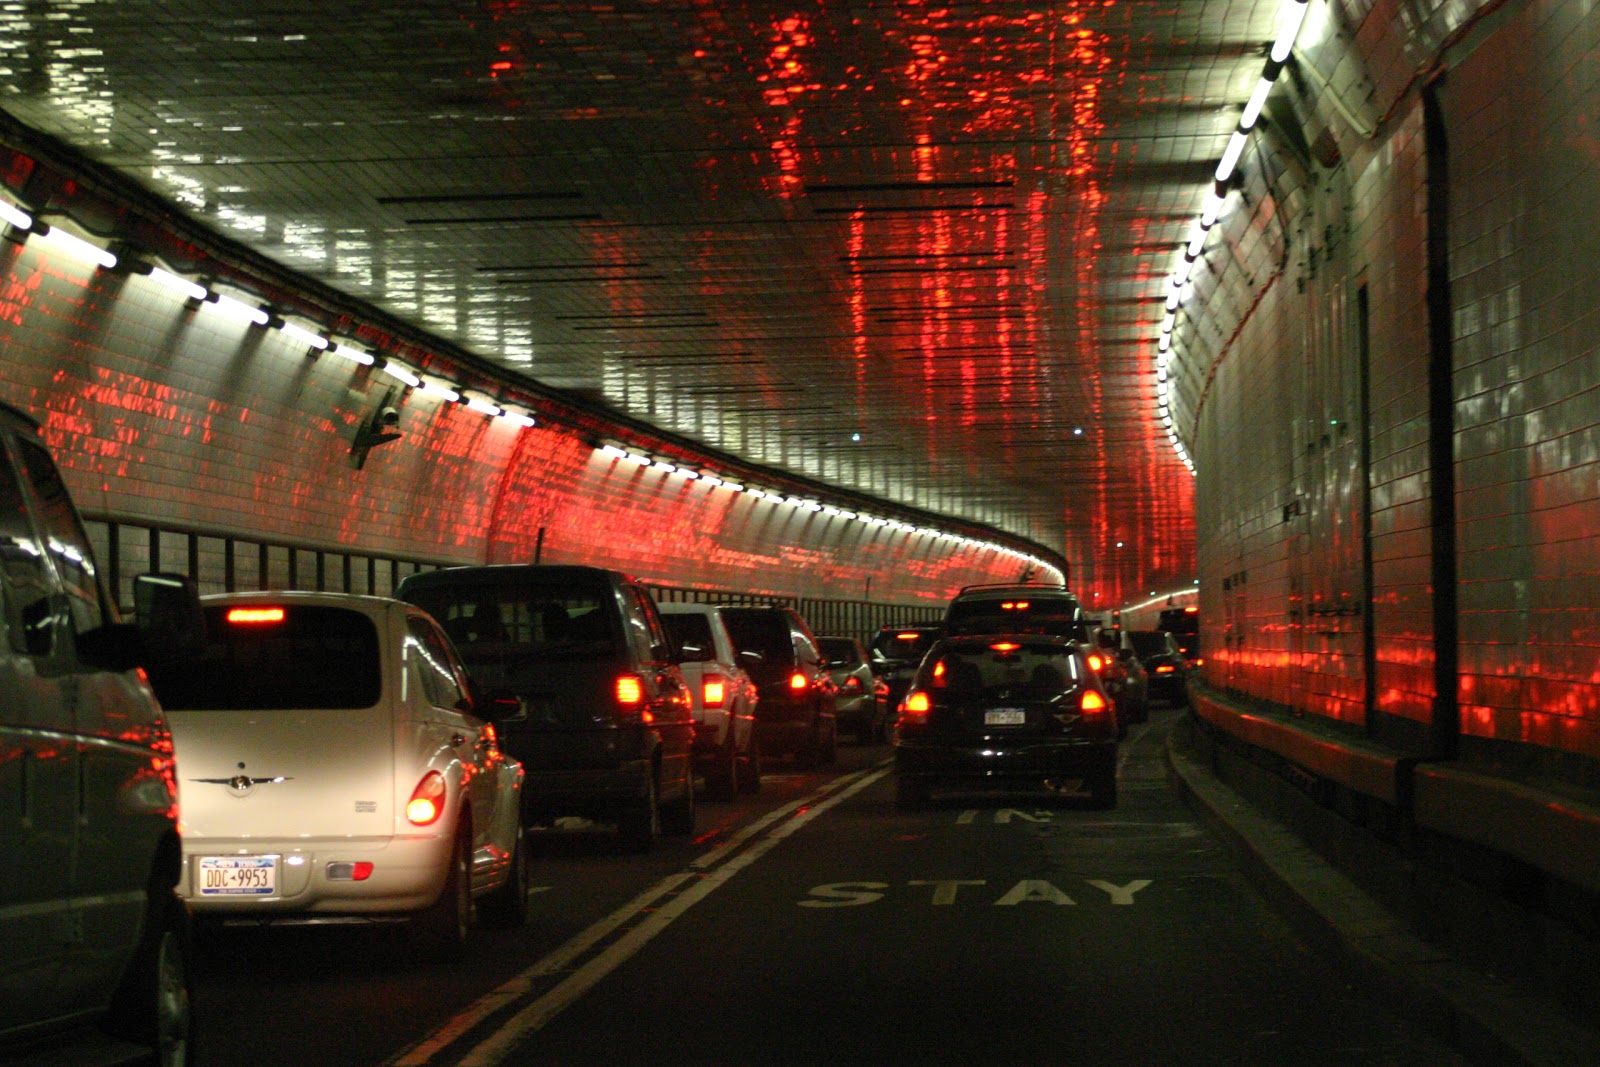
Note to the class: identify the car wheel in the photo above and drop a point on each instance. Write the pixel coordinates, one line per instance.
(151, 1006)
(440, 931)
(640, 822)
(677, 818)
(750, 780)
(722, 780)
(910, 793)
(507, 907)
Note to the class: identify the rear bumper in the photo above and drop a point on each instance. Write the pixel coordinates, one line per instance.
(589, 791)
(1003, 760)
(407, 874)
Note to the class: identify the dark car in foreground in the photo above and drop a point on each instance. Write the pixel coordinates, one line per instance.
(1164, 663)
(1006, 713)
(609, 730)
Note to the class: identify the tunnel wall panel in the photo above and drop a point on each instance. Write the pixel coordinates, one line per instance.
(1280, 358)
(160, 409)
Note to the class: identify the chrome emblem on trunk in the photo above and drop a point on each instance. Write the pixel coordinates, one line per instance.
(241, 784)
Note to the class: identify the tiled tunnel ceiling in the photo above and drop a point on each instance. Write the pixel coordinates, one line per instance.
(767, 226)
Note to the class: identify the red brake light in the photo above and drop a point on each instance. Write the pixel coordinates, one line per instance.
(1004, 646)
(1191, 610)
(630, 691)
(852, 683)
(1092, 703)
(907, 637)
(798, 681)
(427, 800)
(1165, 668)
(916, 706)
(939, 670)
(1014, 605)
(1097, 663)
(713, 690)
(255, 616)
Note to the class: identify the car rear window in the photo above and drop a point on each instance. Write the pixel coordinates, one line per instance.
(960, 669)
(760, 630)
(840, 649)
(1021, 613)
(268, 657)
(1149, 642)
(903, 644)
(690, 631)
(524, 620)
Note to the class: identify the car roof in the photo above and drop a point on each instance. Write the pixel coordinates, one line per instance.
(353, 601)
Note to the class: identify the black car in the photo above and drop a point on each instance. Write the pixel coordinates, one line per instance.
(896, 652)
(795, 709)
(1165, 663)
(1018, 712)
(609, 729)
(1018, 608)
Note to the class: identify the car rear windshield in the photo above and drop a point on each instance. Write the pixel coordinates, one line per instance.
(268, 657)
(692, 633)
(760, 630)
(524, 620)
(1149, 642)
(1023, 613)
(838, 649)
(973, 669)
(903, 644)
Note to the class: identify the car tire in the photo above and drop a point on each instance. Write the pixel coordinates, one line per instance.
(722, 780)
(750, 780)
(910, 794)
(639, 825)
(506, 908)
(151, 1007)
(440, 930)
(677, 818)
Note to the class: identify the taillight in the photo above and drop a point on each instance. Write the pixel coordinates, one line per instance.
(1004, 647)
(713, 690)
(798, 681)
(1165, 668)
(255, 616)
(1097, 662)
(630, 690)
(1092, 703)
(852, 683)
(916, 706)
(427, 800)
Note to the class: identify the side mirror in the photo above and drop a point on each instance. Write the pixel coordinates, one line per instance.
(501, 705)
(168, 610)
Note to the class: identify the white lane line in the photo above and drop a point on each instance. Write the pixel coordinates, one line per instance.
(493, 1049)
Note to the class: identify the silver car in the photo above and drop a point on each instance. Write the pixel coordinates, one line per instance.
(725, 699)
(333, 760)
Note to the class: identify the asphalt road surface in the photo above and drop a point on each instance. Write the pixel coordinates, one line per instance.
(816, 924)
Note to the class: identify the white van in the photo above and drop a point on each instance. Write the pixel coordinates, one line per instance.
(93, 935)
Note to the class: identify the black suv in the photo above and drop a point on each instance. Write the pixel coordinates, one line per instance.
(609, 729)
(1017, 608)
(1013, 712)
(795, 712)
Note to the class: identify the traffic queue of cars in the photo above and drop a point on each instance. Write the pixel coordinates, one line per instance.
(292, 756)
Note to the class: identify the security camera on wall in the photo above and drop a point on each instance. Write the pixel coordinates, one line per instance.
(379, 428)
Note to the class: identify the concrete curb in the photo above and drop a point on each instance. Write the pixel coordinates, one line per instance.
(1489, 1021)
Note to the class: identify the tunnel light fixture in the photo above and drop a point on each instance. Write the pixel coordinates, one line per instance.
(177, 284)
(366, 359)
(441, 390)
(484, 406)
(396, 371)
(1258, 100)
(15, 216)
(1230, 155)
(519, 418)
(1290, 18)
(238, 309)
(73, 245)
(305, 336)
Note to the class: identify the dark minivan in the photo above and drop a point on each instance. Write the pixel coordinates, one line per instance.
(795, 713)
(609, 729)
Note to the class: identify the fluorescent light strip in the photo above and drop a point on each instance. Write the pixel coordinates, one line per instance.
(300, 333)
(168, 280)
(519, 419)
(394, 370)
(485, 407)
(239, 309)
(366, 359)
(14, 215)
(74, 245)
(441, 390)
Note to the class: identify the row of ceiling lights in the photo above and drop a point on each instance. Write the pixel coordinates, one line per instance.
(1291, 16)
(26, 225)
(712, 480)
